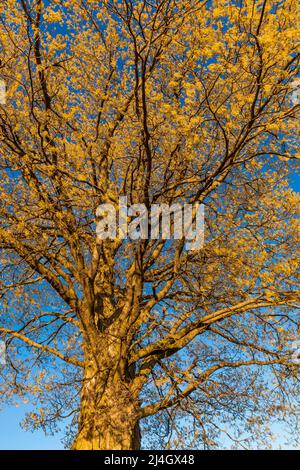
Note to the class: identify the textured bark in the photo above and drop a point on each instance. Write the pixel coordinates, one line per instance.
(113, 425)
(109, 413)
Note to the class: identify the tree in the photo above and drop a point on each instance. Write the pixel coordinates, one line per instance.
(163, 102)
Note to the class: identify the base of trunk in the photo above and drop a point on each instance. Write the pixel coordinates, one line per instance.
(116, 436)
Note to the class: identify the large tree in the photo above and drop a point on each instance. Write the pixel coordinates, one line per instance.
(161, 101)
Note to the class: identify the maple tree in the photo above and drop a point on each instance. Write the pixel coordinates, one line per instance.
(162, 101)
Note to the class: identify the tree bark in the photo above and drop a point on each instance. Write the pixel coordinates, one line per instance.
(109, 428)
(109, 410)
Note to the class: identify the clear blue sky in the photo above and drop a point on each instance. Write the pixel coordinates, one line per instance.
(13, 437)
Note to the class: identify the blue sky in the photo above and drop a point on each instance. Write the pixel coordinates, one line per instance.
(13, 437)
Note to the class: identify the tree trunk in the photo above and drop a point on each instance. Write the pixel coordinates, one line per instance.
(114, 429)
(109, 411)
